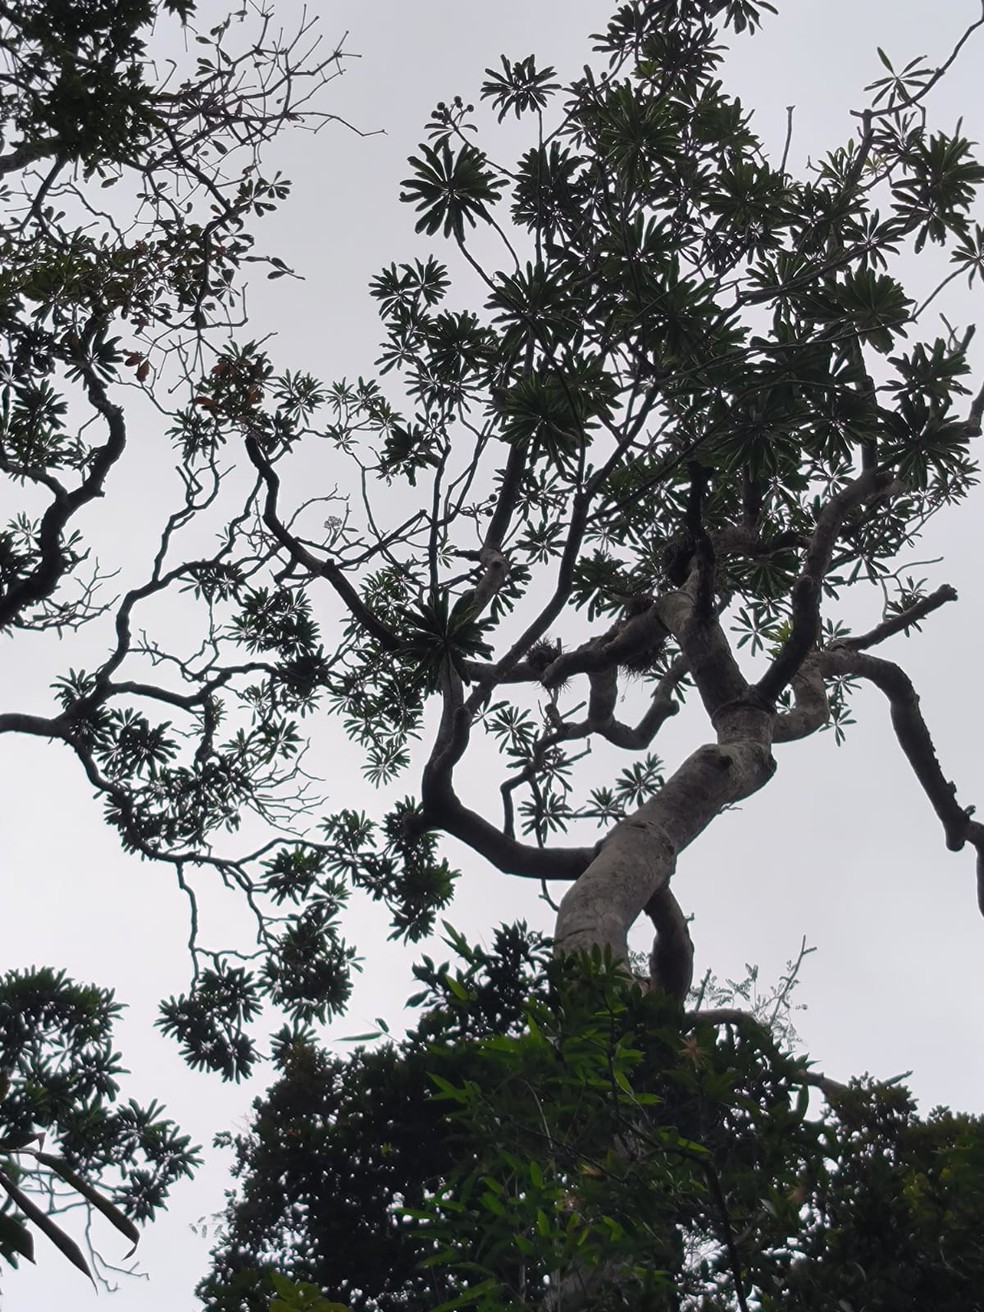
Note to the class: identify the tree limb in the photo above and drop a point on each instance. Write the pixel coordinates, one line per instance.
(808, 588)
(301, 556)
(917, 744)
(902, 622)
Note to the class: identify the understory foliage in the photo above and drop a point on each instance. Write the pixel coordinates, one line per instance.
(551, 1131)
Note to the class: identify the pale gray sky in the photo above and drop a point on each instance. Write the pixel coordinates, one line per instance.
(840, 847)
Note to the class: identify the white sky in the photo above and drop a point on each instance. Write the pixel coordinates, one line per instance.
(840, 847)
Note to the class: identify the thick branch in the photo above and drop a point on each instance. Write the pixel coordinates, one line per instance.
(625, 640)
(917, 744)
(808, 588)
(661, 708)
(911, 731)
(671, 964)
(811, 708)
(443, 809)
(512, 482)
(37, 725)
(638, 857)
(711, 662)
(902, 622)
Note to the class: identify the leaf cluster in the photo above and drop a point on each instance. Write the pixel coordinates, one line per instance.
(550, 1127)
(59, 1080)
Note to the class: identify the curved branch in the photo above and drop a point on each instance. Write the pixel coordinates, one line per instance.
(642, 634)
(811, 706)
(443, 809)
(917, 744)
(902, 622)
(660, 709)
(671, 963)
(831, 1089)
(808, 588)
(638, 857)
(301, 556)
(42, 581)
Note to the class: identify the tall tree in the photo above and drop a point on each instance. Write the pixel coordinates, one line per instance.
(695, 404)
(695, 412)
(696, 408)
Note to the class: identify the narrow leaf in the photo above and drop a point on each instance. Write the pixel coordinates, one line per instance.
(65, 1245)
(15, 1235)
(469, 1296)
(91, 1195)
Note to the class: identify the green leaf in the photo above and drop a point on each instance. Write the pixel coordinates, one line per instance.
(622, 1080)
(471, 1295)
(294, 1296)
(448, 189)
(65, 1245)
(15, 1237)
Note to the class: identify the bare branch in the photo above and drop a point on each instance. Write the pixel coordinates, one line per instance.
(917, 744)
(902, 622)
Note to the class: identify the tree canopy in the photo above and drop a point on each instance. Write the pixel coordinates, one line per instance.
(633, 444)
(547, 1134)
(694, 411)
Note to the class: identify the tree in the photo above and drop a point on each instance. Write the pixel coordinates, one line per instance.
(59, 1077)
(680, 422)
(694, 412)
(545, 1129)
(99, 291)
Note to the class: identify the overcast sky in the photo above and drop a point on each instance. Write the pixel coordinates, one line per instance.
(840, 847)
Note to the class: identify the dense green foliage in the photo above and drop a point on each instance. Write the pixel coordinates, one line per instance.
(594, 1133)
